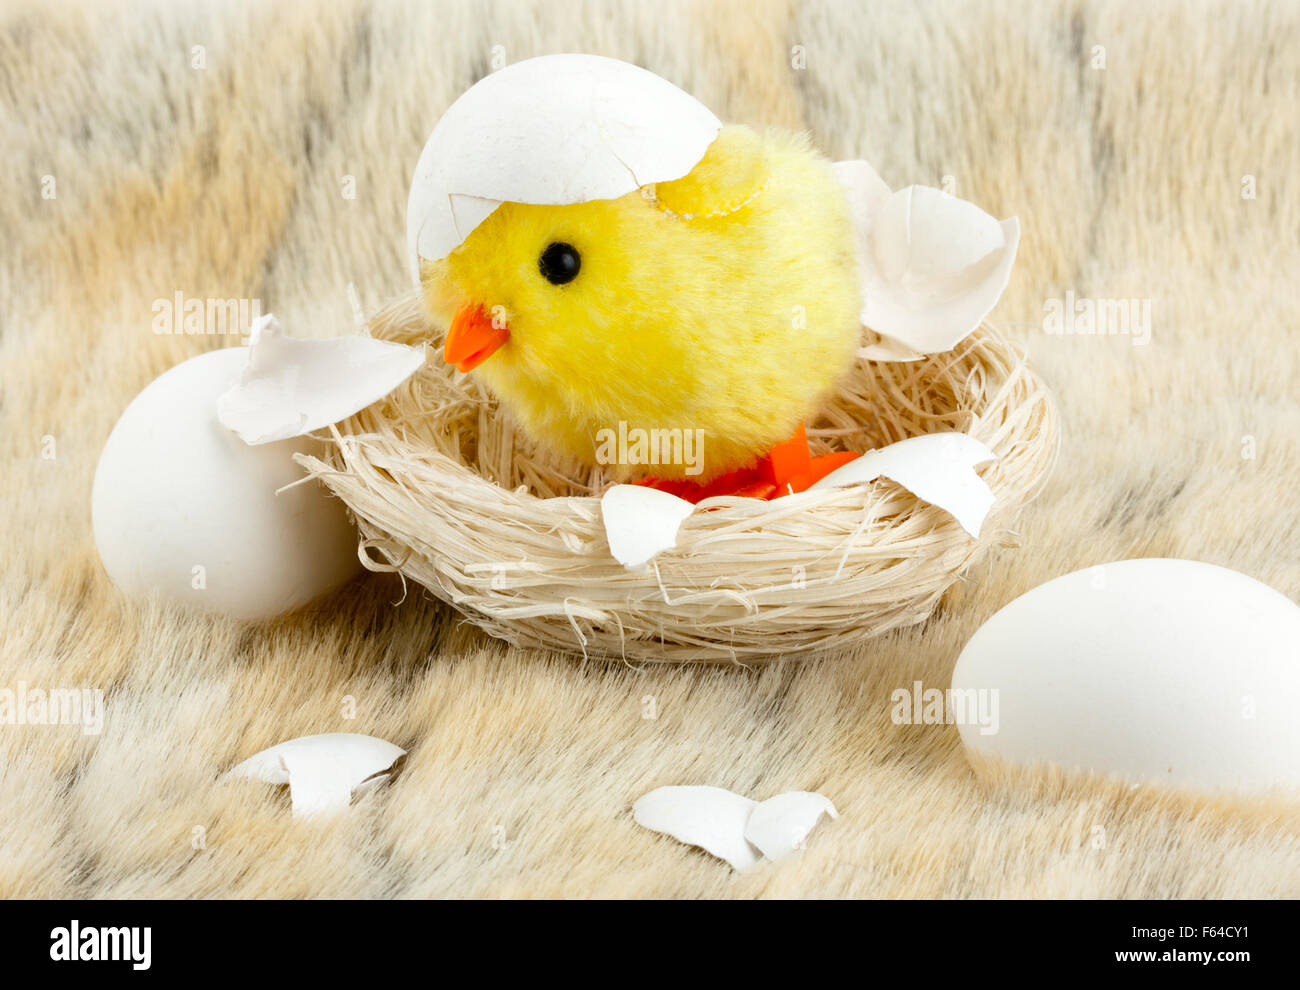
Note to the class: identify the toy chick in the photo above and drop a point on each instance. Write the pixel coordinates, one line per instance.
(607, 256)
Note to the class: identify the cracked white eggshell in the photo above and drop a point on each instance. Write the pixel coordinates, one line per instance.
(1151, 670)
(712, 818)
(938, 468)
(556, 129)
(292, 386)
(928, 241)
(175, 490)
(931, 266)
(640, 522)
(864, 190)
(778, 826)
(324, 772)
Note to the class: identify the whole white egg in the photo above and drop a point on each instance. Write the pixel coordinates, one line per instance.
(183, 508)
(1152, 670)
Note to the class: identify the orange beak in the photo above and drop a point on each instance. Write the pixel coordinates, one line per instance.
(472, 338)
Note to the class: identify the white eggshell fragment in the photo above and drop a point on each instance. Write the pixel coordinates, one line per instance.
(938, 468)
(864, 190)
(556, 129)
(640, 522)
(931, 242)
(1152, 670)
(293, 386)
(931, 266)
(712, 818)
(780, 825)
(183, 508)
(324, 772)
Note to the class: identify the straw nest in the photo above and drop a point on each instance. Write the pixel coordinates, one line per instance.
(447, 493)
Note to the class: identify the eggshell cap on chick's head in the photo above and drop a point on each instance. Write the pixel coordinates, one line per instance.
(551, 130)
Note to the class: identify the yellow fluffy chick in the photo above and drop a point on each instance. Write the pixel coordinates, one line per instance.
(726, 301)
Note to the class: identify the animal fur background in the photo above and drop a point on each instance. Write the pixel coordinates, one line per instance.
(1150, 152)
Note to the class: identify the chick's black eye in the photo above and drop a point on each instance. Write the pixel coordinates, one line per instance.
(559, 263)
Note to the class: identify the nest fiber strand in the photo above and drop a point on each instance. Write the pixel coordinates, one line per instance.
(447, 493)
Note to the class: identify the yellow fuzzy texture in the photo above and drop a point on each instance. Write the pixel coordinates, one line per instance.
(726, 301)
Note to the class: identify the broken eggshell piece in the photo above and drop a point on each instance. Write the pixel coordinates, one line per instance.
(779, 826)
(292, 386)
(634, 129)
(712, 818)
(640, 522)
(932, 266)
(324, 772)
(732, 827)
(938, 468)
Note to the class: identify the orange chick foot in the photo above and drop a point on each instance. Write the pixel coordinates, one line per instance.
(791, 467)
(787, 468)
(746, 483)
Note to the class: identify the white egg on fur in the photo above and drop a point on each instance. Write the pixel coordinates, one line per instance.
(1151, 670)
(185, 509)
